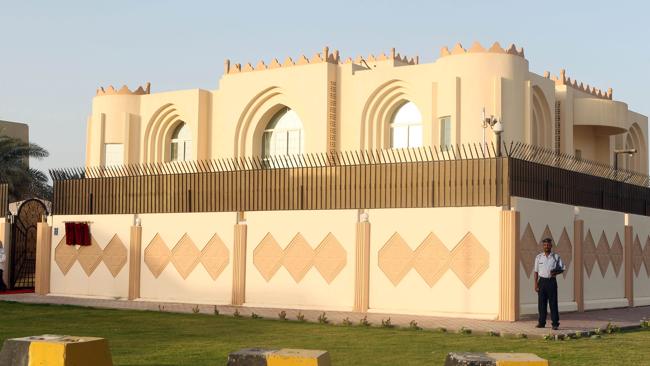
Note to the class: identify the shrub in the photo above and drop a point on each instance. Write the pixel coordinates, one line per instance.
(597, 331)
(414, 325)
(282, 315)
(493, 333)
(346, 321)
(441, 330)
(386, 323)
(196, 309)
(364, 321)
(464, 330)
(255, 316)
(236, 314)
(300, 317)
(645, 323)
(216, 311)
(612, 328)
(522, 335)
(323, 318)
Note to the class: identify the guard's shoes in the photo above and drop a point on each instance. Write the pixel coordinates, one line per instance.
(540, 326)
(555, 327)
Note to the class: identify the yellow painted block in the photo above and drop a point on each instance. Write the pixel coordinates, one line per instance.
(517, 359)
(46, 354)
(298, 357)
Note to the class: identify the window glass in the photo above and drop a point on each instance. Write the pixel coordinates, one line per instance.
(445, 132)
(406, 127)
(113, 154)
(283, 134)
(181, 143)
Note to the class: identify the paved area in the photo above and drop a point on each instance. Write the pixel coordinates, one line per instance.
(570, 322)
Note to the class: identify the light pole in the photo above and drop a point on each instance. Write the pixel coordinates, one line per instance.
(629, 152)
(496, 126)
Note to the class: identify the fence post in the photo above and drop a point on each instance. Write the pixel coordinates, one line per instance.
(43, 258)
(239, 261)
(509, 267)
(135, 260)
(362, 264)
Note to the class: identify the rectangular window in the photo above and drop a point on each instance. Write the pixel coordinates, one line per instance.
(578, 154)
(445, 132)
(113, 154)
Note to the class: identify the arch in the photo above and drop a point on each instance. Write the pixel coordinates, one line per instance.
(180, 142)
(254, 118)
(634, 139)
(406, 126)
(541, 129)
(283, 134)
(158, 132)
(378, 110)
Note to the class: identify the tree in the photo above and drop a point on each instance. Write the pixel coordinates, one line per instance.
(24, 182)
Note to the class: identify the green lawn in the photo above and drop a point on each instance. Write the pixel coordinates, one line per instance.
(157, 338)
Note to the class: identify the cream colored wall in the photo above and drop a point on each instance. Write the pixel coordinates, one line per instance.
(641, 225)
(199, 285)
(608, 290)
(101, 282)
(539, 215)
(312, 291)
(448, 296)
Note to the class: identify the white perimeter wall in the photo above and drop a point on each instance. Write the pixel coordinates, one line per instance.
(641, 225)
(448, 296)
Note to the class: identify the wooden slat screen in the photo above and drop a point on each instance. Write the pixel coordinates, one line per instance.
(4, 199)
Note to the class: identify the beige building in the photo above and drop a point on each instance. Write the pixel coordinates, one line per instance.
(324, 103)
(15, 130)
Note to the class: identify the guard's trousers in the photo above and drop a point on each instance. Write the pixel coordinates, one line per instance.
(547, 295)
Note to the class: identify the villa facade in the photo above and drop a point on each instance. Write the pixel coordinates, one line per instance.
(324, 103)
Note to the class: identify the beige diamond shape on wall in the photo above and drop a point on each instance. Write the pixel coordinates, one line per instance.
(528, 250)
(90, 256)
(330, 258)
(267, 257)
(215, 257)
(156, 256)
(565, 250)
(616, 255)
(431, 259)
(185, 256)
(298, 257)
(395, 259)
(646, 256)
(469, 260)
(589, 253)
(602, 253)
(115, 255)
(637, 255)
(65, 256)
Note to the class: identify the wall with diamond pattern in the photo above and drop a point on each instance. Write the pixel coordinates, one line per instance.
(301, 258)
(641, 259)
(100, 269)
(435, 261)
(538, 220)
(604, 280)
(187, 257)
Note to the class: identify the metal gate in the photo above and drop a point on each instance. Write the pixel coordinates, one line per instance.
(22, 266)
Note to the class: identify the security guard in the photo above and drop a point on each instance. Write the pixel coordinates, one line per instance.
(547, 266)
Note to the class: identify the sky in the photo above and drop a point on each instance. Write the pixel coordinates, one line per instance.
(55, 54)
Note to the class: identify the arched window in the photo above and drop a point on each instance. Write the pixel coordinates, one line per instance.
(181, 143)
(406, 127)
(283, 134)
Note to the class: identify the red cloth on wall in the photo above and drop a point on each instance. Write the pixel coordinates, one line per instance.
(69, 233)
(77, 233)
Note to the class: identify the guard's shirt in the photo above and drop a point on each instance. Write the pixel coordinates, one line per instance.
(545, 264)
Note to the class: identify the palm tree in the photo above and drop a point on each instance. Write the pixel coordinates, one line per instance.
(24, 182)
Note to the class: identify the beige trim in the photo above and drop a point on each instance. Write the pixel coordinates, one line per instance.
(239, 265)
(43, 253)
(509, 267)
(578, 270)
(362, 268)
(135, 261)
(629, 277)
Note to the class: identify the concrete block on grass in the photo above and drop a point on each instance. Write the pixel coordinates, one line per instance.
(55, 350)
(494, 359)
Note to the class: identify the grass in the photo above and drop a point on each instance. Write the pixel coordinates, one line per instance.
(160, 338)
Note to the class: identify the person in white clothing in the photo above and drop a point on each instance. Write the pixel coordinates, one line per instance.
(547, 266)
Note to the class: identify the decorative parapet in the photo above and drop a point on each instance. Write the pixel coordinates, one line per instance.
(478, 48)
(564, 80)
(383, 57)
(124, 90)
(318, 57)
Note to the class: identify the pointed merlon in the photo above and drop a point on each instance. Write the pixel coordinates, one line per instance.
(248, 67)
(512, 50)
(260, 66)
(226, 66)
(348, 60)
(302, 60)
(476, 48)
(547, 74)
(274, 64)
(287, 62)
(316, 58)
(326, 53)
(337, 56)
(444, 52)
(458, 49)
(496, 48)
